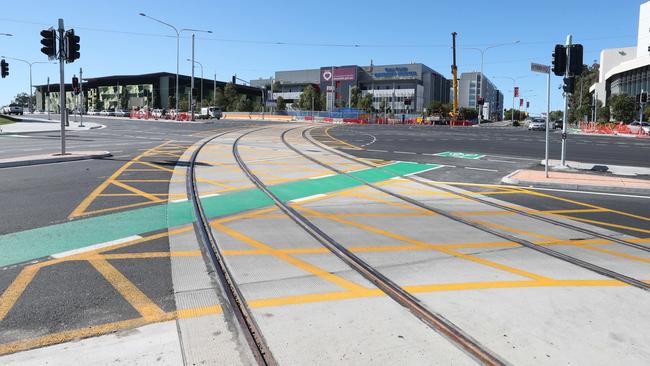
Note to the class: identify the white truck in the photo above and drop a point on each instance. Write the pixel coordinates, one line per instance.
(211, 112)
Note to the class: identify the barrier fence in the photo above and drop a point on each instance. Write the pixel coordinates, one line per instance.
(613, 129)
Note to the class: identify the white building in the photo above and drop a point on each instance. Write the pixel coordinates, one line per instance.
(626, 70)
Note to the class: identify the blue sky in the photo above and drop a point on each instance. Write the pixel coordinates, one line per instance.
(115, 40)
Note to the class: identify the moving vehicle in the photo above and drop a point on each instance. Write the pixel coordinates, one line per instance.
(12, 109)
(93, 112)
(557, 124)
(537, 124)
(107, 112)
(211, 112)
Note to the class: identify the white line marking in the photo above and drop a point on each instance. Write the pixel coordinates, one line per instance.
(96, 246)
(210, 195)
(481, 169)
(404, 152)
(308, 198)
(586, 192)
(424, 171)
(179, 200)
(323, 176)
(383, 151)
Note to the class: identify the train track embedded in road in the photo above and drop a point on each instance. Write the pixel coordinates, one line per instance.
(436, 321)
(525, 243)
(489, 203)
(245, 319)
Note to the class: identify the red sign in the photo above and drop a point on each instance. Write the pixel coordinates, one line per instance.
(516, 91)
(521, 102)
(339, 74)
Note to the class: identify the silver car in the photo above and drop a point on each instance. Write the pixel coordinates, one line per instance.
(537, 125)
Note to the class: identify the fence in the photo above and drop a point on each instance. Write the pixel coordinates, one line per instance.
(613, 129)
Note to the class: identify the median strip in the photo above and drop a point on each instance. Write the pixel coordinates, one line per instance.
(46, 241)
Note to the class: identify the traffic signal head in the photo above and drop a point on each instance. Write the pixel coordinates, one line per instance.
(72, 46)
(569, 85)
(644, 97)
(75, 85)
(234, 79)
(575, 61)
(559, 60)
(49, 42)
(4, 68)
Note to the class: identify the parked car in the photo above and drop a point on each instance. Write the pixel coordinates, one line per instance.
(637, 124)
(12, 109)
(558, 124)
(107, 112)
(122, 113)
(537, 124)
(211, 112)
(158, 113)
(93, 112)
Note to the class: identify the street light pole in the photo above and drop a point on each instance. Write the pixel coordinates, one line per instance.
(215, 80)
(30, 75)
(483, 51)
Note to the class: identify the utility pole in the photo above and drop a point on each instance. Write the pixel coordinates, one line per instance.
(62, 84)
(81, 98)
(642, 105)
(214, 91)
(565, 118)
(454, 72)
(192, 83)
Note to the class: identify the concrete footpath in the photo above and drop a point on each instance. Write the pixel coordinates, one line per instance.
(52, 158)
(578, 181)
(27, 127)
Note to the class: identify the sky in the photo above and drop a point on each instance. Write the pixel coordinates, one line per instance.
(254, 38)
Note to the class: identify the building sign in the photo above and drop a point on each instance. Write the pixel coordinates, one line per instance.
(340, 74)
(393, 72)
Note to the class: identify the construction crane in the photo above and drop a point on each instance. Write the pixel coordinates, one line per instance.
(454, 72)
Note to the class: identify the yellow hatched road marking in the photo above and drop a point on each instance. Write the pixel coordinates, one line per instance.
(327, 276)
(17, 287)
(140, 302)
(137, 191)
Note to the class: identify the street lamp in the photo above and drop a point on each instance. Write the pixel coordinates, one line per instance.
(483, 51)
(201, 65)
(178, 40)
(30, 74)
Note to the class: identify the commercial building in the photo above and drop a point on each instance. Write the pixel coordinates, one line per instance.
(626, 70)
(473, 85)
(145, 90)
(400, 88)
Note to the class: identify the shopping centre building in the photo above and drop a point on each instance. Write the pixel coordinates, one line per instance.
(401, 88)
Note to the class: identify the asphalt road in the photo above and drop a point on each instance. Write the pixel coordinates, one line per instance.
(44, 194)
(495, 142)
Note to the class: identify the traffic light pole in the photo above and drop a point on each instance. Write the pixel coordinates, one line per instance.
(62, 84)
(81, 98)
(565, 118)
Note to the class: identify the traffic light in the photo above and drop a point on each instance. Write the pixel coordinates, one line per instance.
(559, 60)
(407, 102)
(569, 85)
(575, 61)
(72, 46)
(480, 100)
(49, 42)
(4, 67)
(516, 91)
(75, 85)
(234, 79)
(644, 97)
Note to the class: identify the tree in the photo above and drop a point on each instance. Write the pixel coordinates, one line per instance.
(383, 105)
(519, 115)
(555, 115)
(603, 114)
(183, 105)
(580, 100)
(323, 101)
(309, 95)
(22, 99)
(623, 108)
(242, 104)
(467, 114)
(355, 97)
(171, 101)
(365, 103)
(436, 106)
(230, 97)
(281, 104)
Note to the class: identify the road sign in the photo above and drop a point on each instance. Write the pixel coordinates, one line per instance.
(459, 155)
(544, 69)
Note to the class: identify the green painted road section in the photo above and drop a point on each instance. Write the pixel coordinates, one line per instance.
(459, 155)
(31, 244)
